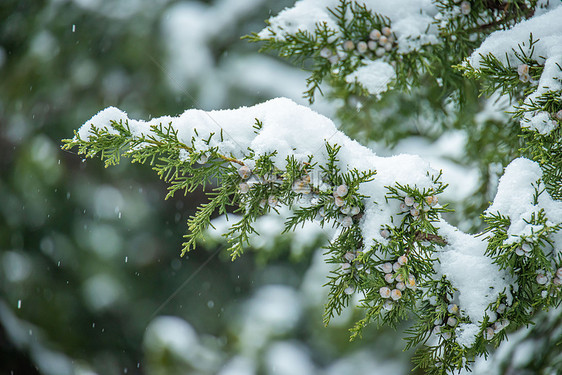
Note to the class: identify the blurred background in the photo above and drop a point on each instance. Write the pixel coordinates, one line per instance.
(91, 281)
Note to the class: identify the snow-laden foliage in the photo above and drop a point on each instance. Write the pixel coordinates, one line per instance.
(392, 246)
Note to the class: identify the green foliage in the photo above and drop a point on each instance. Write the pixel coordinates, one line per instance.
(547, 150)
(332, 54)
(519, 83)
(515, 81)
(430, 95)
(528, 257)
(325, 52)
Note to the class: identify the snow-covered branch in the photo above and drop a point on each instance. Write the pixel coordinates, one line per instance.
(392, 246)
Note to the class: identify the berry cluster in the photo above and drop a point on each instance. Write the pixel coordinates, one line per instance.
(396, 280)
(452, 15)
(347, 212)
(351, 261)
(409, 205)
(376, 44)
(498, 320)
(444, 326)
(545, 278)
(338, 203)
(249, 180)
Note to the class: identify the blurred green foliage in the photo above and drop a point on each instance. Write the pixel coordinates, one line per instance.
(87, 255)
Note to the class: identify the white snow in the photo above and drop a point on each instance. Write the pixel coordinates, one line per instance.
(466, 334)
(516, 182)
(462, 260)
(291, 129)
(375, 76)
(303, 16)
(502, 43)
(478, 280)
(288, 129)
(541, 122)
(515, 198)
(546, 29)
(103, 117)
(411, 20)
(441, 155)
